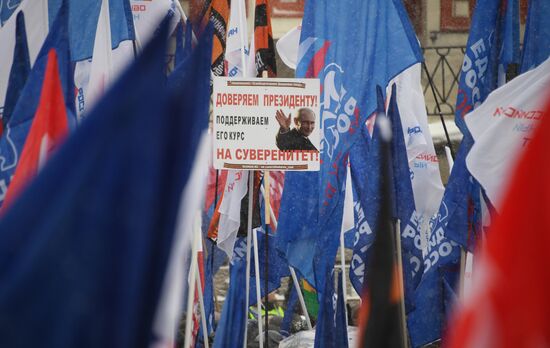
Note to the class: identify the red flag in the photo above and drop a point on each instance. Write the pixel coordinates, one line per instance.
(49, 128)
(277, 182)
(508, 305)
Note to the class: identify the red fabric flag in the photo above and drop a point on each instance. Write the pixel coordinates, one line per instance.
(49, 128)
(508, 305)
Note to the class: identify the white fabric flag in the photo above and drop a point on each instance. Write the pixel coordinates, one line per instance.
(94, 76)
(502, 126)
(36, 25)
(237, 40)
(423, 162)
(287, 47)
(236, 187)
(148, 15)
(101, 68)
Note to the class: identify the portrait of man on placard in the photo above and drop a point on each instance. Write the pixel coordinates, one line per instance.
(297, 137)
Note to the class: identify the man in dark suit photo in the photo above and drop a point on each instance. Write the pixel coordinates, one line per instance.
(297, 137)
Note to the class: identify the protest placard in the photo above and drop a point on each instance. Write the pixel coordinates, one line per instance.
(266, 124)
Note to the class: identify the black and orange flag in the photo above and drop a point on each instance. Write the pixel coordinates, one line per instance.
(216, 12)
(263, 40)
(219, 16)
(381, 315)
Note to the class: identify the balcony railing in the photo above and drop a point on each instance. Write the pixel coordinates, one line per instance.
(443, 65)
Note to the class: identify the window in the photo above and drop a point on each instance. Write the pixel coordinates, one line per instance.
(287, 8)
(455, 14)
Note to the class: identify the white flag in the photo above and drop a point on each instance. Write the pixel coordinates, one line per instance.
(148, 15)
(101, 68)
(423, 163)
(237, 40)
(287, 47)
(236, 187)
(502, 126)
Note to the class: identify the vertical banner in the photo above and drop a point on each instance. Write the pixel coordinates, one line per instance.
(266, 124)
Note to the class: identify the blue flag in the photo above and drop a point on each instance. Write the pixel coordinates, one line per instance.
(340, 320)
(231, 327)
(365, 173)
(449, 230)
(349, 74)
(184, 42)
(19, 71)
(493, 41)
(404, 207)
(291, 304)
(331, 330)
(277, 265)
(536, 43)
(7, 8)
(20, 120)
(83, 17)
(95, 228)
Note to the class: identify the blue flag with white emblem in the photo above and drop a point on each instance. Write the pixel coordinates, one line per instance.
(312, 203)
(493, 43)
(441, 261)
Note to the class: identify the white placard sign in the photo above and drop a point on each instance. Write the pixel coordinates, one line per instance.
(270, 124)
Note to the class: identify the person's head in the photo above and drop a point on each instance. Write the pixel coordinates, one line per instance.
(305, 121)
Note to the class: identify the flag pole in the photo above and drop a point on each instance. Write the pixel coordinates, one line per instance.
(191, 291)
(247, 277)
(294, 279)
(430, 81)
(343, 266)
(401, 285)
(267, 208)
(257, 278)
(203, 312)
(462, 271)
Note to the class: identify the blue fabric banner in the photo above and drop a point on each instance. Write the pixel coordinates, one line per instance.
(93, 232)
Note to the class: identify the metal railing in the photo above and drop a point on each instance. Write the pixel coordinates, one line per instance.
(443, 64)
